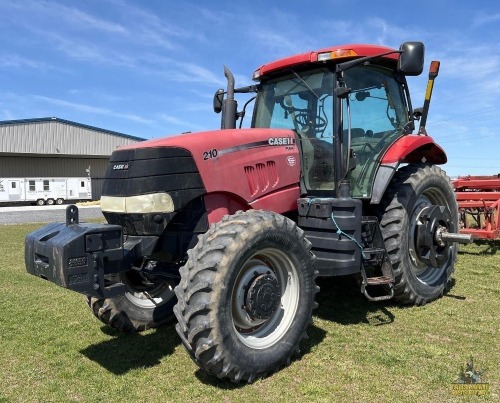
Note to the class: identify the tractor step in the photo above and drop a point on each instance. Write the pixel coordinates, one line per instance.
(379, 280)
(373, 256)
(377, 288)
(379, 285)
(380, 297)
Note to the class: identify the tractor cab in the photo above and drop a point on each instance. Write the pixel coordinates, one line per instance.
(347, 106)
(374, 114)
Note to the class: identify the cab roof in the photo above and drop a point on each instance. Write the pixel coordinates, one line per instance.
(341, 52)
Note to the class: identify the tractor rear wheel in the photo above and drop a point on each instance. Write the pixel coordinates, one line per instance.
(246, 295)
(146, 304)
(410, 223)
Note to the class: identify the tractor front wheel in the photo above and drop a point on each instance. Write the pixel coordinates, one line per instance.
(246, 295)
(145, 304)
(418, 204)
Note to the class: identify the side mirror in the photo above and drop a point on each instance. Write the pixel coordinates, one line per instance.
(218, 99)
(411, 59)
(417, 113)
(362, 95)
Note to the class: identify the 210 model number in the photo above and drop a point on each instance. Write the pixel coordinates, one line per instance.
(207, 155)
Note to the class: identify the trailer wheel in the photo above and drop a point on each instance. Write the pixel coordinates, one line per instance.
(246, 295)
(40, 202)
(59, 201)
(50, 202)
(144, 305)
(422, 265)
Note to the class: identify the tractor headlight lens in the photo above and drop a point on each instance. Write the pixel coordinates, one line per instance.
(148, 203)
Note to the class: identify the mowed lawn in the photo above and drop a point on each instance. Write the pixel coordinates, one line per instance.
(53, 349)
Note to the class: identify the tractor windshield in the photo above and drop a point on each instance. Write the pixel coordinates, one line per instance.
(297, 101)
(303, 101)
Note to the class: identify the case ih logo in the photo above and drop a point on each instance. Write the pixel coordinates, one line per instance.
(291, 160)
(120, 167)
(281, 141)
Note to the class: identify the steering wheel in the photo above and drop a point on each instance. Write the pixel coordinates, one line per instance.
(318, 125)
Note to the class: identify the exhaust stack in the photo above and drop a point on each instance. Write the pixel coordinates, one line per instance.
(229, 106)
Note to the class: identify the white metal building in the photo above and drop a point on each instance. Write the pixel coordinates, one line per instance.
(53, 147)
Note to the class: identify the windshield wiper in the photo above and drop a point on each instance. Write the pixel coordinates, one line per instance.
(305, 83)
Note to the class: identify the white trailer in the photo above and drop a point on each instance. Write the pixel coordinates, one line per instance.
(44, 190)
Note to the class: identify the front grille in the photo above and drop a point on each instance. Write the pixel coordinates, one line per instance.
(150, 170)
(140, 171)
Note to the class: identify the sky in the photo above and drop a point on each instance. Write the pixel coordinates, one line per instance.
(150, 68)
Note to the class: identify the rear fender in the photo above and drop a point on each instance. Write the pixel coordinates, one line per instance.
(414, 149)
(409, 149)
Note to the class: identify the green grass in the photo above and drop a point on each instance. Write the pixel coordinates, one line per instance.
(53, 349)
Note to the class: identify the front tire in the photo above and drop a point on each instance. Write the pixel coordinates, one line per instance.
(420, 277)
(246, 295)
(144, 305)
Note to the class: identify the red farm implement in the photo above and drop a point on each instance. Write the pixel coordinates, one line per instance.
(478, 200)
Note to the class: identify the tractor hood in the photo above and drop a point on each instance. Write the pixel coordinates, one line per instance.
(247, 164)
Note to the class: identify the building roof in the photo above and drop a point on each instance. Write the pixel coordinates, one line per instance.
(69, 122)
(59, 137)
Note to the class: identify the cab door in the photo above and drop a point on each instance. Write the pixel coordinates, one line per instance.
(377, 111)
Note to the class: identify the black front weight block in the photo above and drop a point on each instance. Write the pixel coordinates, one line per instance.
(77, 256)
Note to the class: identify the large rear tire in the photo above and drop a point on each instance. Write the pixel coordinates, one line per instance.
(246, 295)
(420, 277)
(144, 305)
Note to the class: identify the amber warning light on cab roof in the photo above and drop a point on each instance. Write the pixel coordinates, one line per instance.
(336, 54)
(320, 57)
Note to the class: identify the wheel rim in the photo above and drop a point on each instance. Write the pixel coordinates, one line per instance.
(425, 273)
(271, 279)
(147, 294)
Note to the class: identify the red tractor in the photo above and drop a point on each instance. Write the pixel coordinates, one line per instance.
(228, 230)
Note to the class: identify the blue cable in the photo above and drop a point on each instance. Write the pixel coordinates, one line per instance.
(339, 231)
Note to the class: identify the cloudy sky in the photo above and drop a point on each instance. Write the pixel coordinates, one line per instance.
(150, 68)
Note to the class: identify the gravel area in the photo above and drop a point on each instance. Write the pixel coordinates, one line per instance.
(45, 214)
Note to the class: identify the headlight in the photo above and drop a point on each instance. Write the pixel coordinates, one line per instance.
(148, 203)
